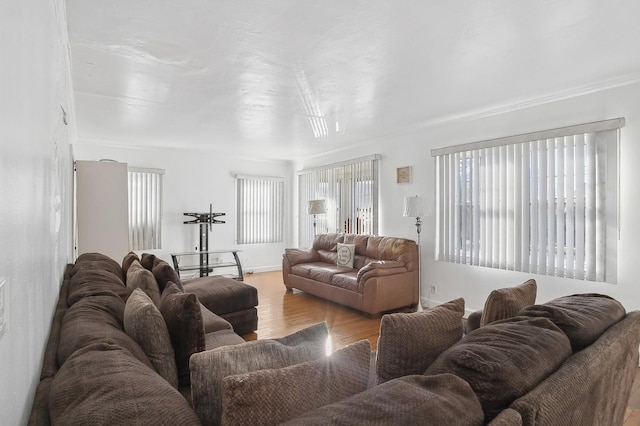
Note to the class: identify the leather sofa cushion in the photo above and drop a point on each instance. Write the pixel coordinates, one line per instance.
(583, 317)
(104, 384)
(325, 272)
(411, 400)
(410, 342)
(272, 396)
(506, 359)
(327, 242)
(346, 280)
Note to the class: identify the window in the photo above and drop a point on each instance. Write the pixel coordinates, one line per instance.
(350, 191)
(145, 208)
(543, 202)
(260, 209)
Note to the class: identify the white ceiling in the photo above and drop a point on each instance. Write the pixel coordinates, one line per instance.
(293, 78)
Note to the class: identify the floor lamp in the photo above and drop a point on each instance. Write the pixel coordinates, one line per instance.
(316, 207)
(414, 207)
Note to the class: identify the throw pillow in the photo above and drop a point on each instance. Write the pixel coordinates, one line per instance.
(139, 277)
(583, 317)
(209, 368)
(410, 342)
(163, 273)
(506, 302)
(181, 313)
(127, 261)
(103, 384)
(268, 397)
(346, 254)
(444, 399)
(143, 322)
(505, 360)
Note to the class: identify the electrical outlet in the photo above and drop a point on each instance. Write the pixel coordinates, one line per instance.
(434, 289)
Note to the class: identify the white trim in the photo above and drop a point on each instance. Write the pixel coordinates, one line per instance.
(597, 126)
(340, 163)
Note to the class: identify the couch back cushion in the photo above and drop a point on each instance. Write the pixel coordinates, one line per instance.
(505, 359)
(164, 274)
(143, 322)
(391, 248)
(94, 282)
(96, 319)
(209, 368)
(139, 277)
(583, 317)
(444, 399)
(410, 342)
(182, 314)
(506, 302)
(104, 384)
(327, 242)
(97, 261)
(273, 396)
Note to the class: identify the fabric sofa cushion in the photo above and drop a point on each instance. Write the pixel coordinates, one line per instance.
(143, 322)
(97, 261)
(93, 282)
(164, 274)
(139, 277)
(410, 342)
(444, 399)
(96, 319)
(181, 313)
(127, 261)
(506, 302)
(147, 260)
(209, 368)
(104, 384)
(272, 396)
(583, 317)
(505, 360)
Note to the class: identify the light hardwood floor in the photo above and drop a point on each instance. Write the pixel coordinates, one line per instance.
(281, 313)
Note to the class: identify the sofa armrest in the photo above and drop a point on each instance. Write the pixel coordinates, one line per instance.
(297, 255)
(381, 268)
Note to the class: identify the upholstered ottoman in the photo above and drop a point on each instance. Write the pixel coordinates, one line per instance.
(233, 300)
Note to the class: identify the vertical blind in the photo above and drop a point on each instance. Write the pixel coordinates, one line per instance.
(544, 203)
(145, 208)
(259, 209)
(350, 191)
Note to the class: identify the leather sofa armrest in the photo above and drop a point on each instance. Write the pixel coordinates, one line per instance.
(381, 268)
(297, 255)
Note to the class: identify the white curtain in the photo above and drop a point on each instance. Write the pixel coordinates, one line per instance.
(260, 209)
(544, 203)
(145, 208)
(350, 191)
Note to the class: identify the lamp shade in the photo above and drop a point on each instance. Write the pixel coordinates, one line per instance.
(413, 206)
(317, 207)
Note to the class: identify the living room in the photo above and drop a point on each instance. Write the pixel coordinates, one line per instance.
(42, 138)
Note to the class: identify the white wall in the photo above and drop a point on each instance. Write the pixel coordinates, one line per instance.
(35, 188)
(475, 283)
(192, 180)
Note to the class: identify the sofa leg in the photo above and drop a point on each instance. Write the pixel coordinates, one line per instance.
(289, 290)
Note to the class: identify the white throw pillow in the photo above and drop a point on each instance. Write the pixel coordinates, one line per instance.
(346, 254)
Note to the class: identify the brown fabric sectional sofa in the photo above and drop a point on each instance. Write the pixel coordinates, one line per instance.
(384, 275)
(569, 361)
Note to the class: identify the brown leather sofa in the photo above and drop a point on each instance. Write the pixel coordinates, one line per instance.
(384, 276)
